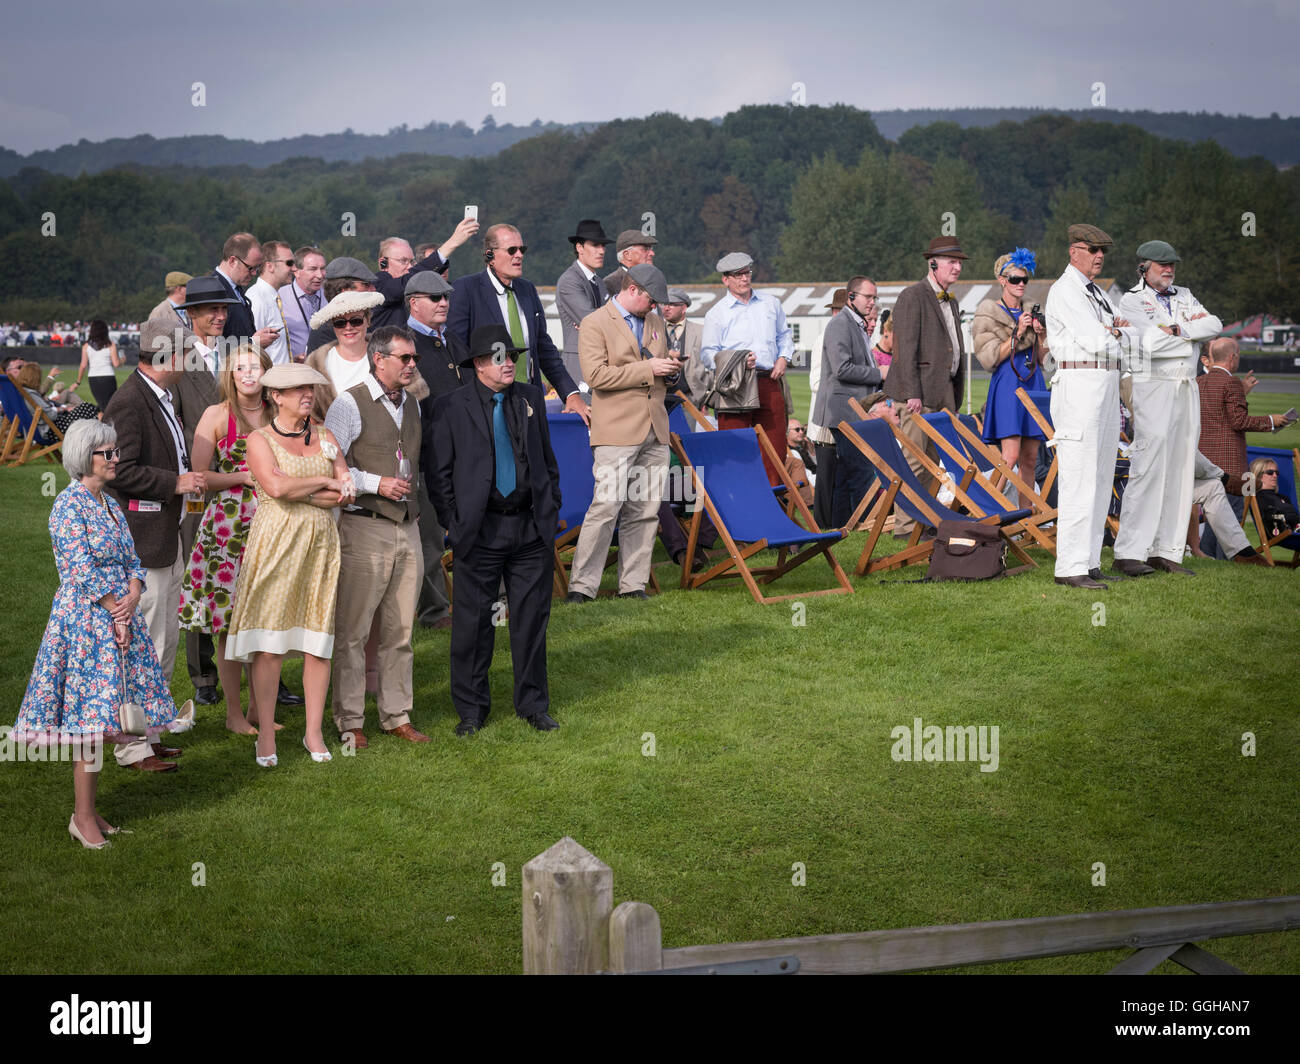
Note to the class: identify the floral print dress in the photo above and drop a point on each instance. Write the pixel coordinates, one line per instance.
(207, 596)
(76, 683)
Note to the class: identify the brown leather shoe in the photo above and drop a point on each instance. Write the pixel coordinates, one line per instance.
(408, 733)
(1131, 567)
(166, 751)
(1082, 581)
(1096, 574)
(1251, 559)
(153, 764)
(359, 740)
(1166, 566)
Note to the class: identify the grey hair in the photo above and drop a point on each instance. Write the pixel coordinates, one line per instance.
(381, 340)
(83, 436)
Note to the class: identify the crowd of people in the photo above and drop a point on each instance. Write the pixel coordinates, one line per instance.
(303, 440)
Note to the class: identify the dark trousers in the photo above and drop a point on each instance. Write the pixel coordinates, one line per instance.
(675, 539)
(508, 548)
(853, 479)
(824, 489)
(1209, 541)
(432, 604)
(102, 388)
(200, 649)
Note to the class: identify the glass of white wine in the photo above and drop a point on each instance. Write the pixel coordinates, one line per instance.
(403, 469)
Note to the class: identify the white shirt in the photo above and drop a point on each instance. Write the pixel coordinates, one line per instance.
(209, 355)
(344, 374)
(1146, 311)
(505, 307)
(1078, 323)
(266, 312)
(948, 322)
(343, 419)
(173, 423)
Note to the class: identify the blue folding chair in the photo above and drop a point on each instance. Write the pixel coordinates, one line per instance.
(731, 485)
(964, 455)
(1287, 463)
(25, 418)
(879, 443)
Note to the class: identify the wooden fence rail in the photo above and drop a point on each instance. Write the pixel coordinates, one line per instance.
(570, 927)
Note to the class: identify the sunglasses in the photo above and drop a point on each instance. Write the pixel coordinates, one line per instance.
(407, 360)
(1017, 280)
(434, 299)
(1269, 473)
(112, 454)
(516, 249)
(355, 323)
(1093, 249)
(287, 262)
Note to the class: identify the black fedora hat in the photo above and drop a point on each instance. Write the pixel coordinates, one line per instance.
(590, 229)
(488, 340)
(207, 289)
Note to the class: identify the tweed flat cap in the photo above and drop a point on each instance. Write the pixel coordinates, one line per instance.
(1157, 251)
(1082, 233)
(346, 266)
(427, 283)
(650, 278)
(346, 303)
(733, 261)
(158, 337)
(176, 277)
(676, 295)
(631, 238)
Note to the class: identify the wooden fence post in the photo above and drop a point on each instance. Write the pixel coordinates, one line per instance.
(635, 939)
(567, 897)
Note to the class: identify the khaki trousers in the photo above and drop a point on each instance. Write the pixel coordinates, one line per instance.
(160, 602)
(907, 425)
(381, 566)
(630, 484)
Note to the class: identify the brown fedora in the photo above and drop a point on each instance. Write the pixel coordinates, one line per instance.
(946, 247)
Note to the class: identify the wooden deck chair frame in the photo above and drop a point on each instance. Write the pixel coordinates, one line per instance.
(10, 448)
(914, 551)
(1006, 474)
(29, 440)
(1266, 544)
(696, 413)
(736, 564)
(873, 496)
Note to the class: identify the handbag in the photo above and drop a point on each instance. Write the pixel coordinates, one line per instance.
(130, 716)
(967, 550)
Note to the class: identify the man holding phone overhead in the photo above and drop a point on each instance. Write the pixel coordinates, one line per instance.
(398, 263)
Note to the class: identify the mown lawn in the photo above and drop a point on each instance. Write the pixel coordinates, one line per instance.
(1120, 743)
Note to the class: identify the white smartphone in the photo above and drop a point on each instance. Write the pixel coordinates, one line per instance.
(471, 211)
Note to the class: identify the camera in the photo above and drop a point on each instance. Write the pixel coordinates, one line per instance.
(1036, 313)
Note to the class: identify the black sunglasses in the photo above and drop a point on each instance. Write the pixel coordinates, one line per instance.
(1093, 249)
(434, 299)
(1264, 473)
(516, 249)
(354, 322)
(1017, 280)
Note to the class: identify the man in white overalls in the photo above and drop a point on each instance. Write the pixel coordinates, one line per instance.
(1167, 415)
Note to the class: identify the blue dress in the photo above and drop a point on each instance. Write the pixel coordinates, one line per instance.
(75, 688)
(1004, 414)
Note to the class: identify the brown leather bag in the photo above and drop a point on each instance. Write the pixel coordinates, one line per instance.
(966, 550)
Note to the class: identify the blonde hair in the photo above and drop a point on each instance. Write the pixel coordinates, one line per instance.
(230, 394)
(1257, 468)
(887, 327)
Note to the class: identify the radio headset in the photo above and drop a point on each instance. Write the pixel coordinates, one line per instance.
(383, 263)
(934, 264)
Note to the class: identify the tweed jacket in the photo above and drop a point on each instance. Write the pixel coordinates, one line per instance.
(1225, 420)
(696, 379)
(627, 399)
(923, 351)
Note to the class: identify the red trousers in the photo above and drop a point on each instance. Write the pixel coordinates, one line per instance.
(770, 416)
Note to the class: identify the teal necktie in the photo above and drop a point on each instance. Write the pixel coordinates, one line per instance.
(505, 452)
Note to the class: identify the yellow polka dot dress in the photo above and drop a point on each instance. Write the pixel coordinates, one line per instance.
(284, 602)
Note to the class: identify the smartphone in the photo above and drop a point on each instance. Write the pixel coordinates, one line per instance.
(471, 211)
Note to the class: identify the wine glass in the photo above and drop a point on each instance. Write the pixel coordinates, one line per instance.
(403, 469)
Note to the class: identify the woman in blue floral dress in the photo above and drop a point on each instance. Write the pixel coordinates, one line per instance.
(208, 593)
(75, 690)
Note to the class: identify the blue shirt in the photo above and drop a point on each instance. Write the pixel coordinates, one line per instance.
(637, 325)
(420, 327)
(758, 325)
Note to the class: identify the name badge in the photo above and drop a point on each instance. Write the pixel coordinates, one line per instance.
(144, 506)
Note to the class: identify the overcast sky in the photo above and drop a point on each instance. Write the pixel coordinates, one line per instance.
(285, 67)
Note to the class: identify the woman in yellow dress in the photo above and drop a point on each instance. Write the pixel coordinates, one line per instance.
(284, 602)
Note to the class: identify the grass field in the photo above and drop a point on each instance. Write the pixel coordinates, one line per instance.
(1120, 743)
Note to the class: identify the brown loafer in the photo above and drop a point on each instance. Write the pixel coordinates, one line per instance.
(166, 751)
(408, 733)
(1082, 581)
(1251, 559)
(153, 764)
(1131, 567)
(359, 740)
(1166, 566)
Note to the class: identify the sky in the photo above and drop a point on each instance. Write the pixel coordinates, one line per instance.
(128, 67)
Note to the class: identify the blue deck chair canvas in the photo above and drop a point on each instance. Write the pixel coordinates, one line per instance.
(26, 416)
(1287, 463)
(964, 454)
(571, 444)
(731, 486)
(877, 440)
(18, 418)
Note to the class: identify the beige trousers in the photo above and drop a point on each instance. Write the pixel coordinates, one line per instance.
(629, 490)
(907, 425)
(381, 566)
(160, 602)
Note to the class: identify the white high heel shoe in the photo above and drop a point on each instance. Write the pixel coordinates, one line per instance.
(76, 834)
(318, 758)
(270, 761)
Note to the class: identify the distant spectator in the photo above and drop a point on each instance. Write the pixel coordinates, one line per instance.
(397, 263)
(344, 274)
(241, 262)
(632, 248)
(1278, 512)
(99, 357)
(302, 298)
(266, 302)
(169, 310)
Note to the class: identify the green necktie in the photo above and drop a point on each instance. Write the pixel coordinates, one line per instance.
(516, 328)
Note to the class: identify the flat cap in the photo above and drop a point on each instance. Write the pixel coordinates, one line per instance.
(1082, 233)
(176, 277)
(631, 238)
(158, 337)
(1157, 251)
(650, 278)
(428, 283)
(346, 266)
(733, 261)
(676, 295)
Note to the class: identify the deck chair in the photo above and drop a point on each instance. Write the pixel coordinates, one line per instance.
(692, 411)
(879, 442)
(966, 456)
(731, 485)
(571, 444)
(18, 417)
(1287, 463)
(28, 447)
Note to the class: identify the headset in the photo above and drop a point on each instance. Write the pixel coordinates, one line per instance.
(934, 264)
(383, 263)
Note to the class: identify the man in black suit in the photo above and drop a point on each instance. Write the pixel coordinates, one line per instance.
(241, 262)
(500, 296)
(496, 487)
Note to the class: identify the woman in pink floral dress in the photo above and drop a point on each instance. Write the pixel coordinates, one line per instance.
(207, 595)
